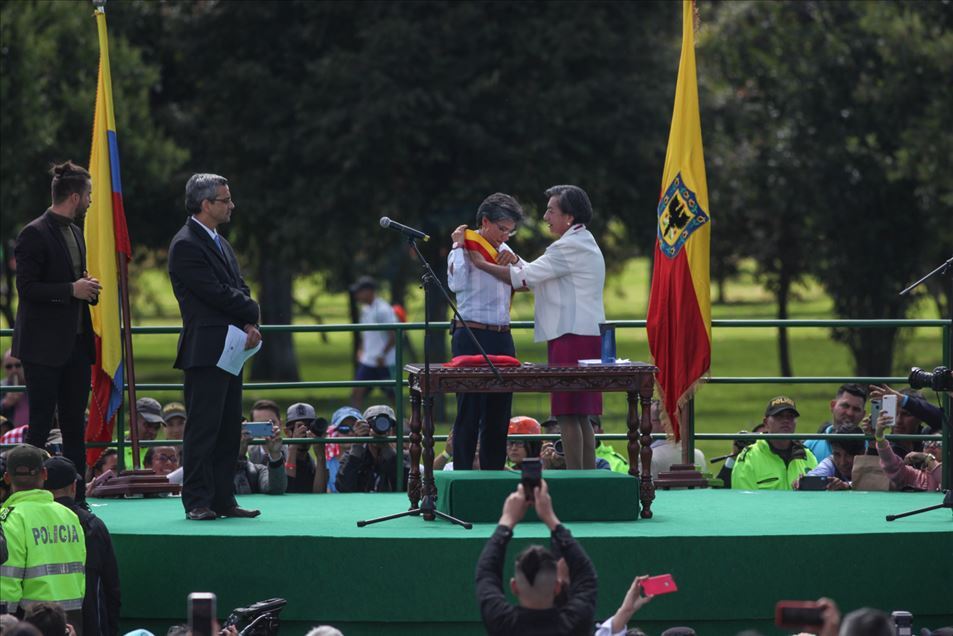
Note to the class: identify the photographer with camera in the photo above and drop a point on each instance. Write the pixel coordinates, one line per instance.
(371, 467)
(306, 473)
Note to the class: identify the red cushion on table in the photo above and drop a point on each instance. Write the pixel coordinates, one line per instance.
(479, 361)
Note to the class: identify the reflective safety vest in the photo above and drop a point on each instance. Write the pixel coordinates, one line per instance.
(617, 463)
(47, 553)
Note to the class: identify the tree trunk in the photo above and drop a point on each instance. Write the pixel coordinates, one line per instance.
(277, 359)
(872, 350)
(784, 351)
(720, 282)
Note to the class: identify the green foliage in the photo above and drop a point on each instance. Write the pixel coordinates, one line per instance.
(49, 55)
(815, 105)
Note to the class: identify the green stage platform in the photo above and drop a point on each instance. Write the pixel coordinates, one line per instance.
(733, 554)
(581, 495)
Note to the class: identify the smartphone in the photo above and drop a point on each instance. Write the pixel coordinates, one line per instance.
(903, 621)
(202, 613)
(257, 429)
(661, 584)
(798, 615)
(812, 482)
(875, 405)
(531, 476)
(889, 407)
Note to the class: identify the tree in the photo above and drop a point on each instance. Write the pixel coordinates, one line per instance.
(48, 69)
(327, 116)
(822, 111)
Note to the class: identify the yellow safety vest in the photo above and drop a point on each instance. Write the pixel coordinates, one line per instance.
(47, 549)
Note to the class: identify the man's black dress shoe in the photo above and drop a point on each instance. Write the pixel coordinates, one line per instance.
(200, 514)
(239, 512)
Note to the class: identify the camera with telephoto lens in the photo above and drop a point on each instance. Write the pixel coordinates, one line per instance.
(941, 379)
(260, 619)
(380, 424)
(318, 426)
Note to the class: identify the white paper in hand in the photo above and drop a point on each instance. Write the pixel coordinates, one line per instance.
(234, 354)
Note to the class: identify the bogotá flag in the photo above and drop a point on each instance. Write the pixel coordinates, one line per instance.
(107, 240)
(679, 317)
(475, 242)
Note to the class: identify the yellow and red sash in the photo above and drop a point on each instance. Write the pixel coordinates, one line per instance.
(476, 243)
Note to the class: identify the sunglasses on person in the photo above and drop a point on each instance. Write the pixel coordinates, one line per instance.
(13, 365)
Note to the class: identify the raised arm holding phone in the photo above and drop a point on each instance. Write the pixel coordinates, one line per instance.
(535, 582)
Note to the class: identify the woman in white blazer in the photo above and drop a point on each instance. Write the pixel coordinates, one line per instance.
(568, 280)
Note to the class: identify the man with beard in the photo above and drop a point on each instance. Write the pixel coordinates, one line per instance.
(53, 333)
(847, 409)
(774, 464)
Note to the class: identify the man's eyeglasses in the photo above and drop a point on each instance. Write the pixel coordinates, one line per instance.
(13, 365)
(165, 458)
(506, 230)
(226, 200)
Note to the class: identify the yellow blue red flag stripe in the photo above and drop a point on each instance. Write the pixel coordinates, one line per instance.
(679, 316)
(107, 240)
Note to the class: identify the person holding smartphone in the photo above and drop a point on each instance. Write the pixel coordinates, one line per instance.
(916, 471)
(535, 582)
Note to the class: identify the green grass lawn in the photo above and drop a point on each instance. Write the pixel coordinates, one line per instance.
(719, 408)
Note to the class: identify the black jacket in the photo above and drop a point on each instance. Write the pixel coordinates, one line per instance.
(577, 616)
(211, 292)
(47, 313)
(102, 600)
(360, 472)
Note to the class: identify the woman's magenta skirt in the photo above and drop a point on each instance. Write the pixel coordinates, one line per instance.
(569, 349)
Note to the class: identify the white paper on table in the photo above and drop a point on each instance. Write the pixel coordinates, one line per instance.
(234, 354)
(592, 362)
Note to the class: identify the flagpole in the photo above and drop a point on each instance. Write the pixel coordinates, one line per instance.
(129, 365)
(127, 354)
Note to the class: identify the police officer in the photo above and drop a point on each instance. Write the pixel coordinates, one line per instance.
(46, 544)
(102, 601)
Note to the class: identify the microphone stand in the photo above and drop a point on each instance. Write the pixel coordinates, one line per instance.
(947, 503)
(429, 499)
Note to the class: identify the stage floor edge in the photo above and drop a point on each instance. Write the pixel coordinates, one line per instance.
(733, 554)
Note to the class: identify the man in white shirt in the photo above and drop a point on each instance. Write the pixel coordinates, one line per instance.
(376, 355)
(484, 305)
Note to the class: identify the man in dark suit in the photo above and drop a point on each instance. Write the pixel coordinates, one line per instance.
(212, 295)
(53, 333)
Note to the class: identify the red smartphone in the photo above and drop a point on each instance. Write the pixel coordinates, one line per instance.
(798, 614)
(661, 584)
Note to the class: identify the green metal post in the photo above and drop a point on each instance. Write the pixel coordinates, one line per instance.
(399, 406)
(121, 435)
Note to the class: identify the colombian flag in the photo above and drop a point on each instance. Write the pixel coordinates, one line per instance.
(107, 240)
(679, 317)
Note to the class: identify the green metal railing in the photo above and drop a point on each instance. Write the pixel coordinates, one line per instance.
(398, 383)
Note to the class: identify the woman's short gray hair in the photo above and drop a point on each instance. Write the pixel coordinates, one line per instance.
(201, 186)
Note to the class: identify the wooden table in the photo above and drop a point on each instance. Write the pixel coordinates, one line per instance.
(636, 380)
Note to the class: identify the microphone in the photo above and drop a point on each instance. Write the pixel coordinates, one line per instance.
(403, 229)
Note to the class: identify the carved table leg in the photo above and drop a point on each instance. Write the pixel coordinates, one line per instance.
(646, 486)
(413, 479)
(429, 488)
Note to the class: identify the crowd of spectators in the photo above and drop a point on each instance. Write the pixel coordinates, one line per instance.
(553, 585)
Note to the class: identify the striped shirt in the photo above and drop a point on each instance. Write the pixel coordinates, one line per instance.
(481, 297)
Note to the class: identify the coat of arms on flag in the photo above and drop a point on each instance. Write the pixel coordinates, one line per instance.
(679, 214)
